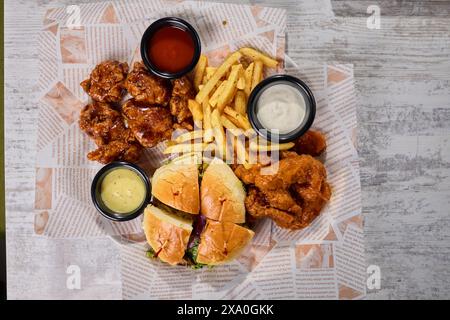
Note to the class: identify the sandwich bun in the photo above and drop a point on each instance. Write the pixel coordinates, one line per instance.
(221, 242)
(176, 185)
(222, 194)
(167, 234)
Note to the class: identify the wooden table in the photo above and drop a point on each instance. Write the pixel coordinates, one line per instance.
(403, 84)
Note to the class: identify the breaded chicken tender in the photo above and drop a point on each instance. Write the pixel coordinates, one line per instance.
(292, 196)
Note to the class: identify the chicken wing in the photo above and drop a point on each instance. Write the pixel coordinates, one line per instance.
(106, 82)
(116, 150)
(106, 127)
(150, 124)
(147, 88)
(182, 91)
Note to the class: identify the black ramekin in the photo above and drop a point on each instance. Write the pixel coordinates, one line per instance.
(310, 104)
(164, 22)
(96, 188)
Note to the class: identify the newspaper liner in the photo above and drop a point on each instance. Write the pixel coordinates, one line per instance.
(325, 260)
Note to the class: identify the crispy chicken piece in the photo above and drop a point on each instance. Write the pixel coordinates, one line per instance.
(292, 196)
(183, 87)
(260, 208)
(247, 176)
(101, 122)
(182, 91)
(116, 150)
(312, 143)
(106, 127)
(179, 109)
(147, 88)
(150, 124)
(106, 82)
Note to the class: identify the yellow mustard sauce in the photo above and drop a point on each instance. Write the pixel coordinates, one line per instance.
(122, 190)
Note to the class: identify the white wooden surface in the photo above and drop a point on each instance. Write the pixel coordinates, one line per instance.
(403, 83)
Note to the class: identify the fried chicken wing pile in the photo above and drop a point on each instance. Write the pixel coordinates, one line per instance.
(106, 127)
(182, 91)
(156, 109)
(295, 190)
(106, 82)
(150, 124)
(147, 88)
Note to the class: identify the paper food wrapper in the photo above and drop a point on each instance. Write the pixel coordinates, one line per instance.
(324, 260)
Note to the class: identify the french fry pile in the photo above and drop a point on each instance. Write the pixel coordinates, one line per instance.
(220, 107)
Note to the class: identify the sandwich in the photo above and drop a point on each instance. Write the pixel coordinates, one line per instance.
(197, 214)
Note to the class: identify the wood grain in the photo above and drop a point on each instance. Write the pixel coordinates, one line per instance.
(402, 73)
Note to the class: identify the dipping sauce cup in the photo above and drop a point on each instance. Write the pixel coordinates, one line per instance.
(120, 191)
(281, 108)
(170, 48)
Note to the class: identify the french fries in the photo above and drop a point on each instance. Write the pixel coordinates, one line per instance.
(256, 55)
(226, 96)
(209, 72)
(248, 75)
(241, 81)
(227, 124)
(257, 74)
(200, 70)
(240, 103)
(219, 134)
(241, 152)
(197, 112)
(188, 158)
(220, 106)
(215, 97)
(190, 135)
(185, 148)
(270, 146)
(240, 85)
(220, 72)
(240, 120)
(208, 136)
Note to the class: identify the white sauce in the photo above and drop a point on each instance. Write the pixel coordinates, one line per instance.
(281, 107)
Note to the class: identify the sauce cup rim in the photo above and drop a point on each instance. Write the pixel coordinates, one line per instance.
(98, 179)
(310, 104)
(155, 26)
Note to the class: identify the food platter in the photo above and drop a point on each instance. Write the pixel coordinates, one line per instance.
(213, 119)
(130, 235)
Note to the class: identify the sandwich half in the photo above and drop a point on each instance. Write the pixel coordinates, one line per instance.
(222, 194)
(176, 185)
(221, 242)
(167, 233)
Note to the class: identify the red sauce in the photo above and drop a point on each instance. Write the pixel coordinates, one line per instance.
(171, 49)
